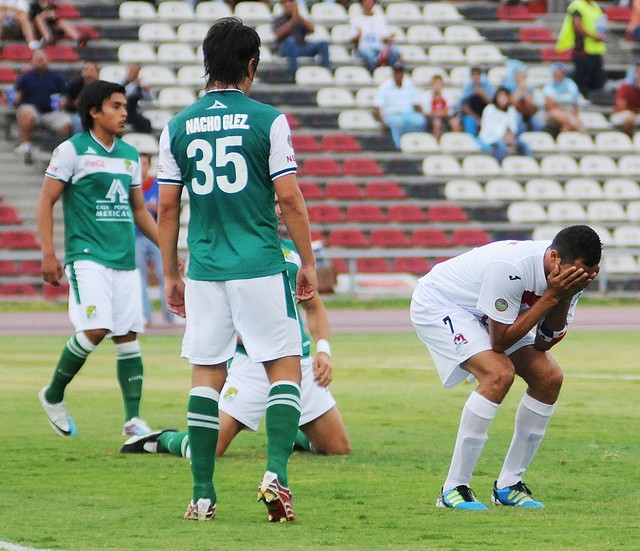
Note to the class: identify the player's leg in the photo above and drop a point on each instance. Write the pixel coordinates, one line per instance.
(229, 429)
(544, 378)
(327, 434)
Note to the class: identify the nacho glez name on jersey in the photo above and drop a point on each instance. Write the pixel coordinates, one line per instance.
(215, 123)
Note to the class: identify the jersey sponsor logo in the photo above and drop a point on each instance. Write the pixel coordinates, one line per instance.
(90, 151)
(115, 206)
(501, 305)
(94, 163)
(218, 105)
(91, 312)
(291, 158)
(230, 394)
(514, 278)
(459, 340)
(215, 123)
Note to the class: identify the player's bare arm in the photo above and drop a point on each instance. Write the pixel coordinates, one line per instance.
(168, 228)
(294, 215)
(51, 268)
(141, 215)
(318, 324)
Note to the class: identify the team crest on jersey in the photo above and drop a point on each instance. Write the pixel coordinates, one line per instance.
(91, 312)
(459, 340)
(286, 253)
(230, 394)
(501, 305)
(128, 165)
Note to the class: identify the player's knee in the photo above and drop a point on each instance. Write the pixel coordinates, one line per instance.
(501, 376)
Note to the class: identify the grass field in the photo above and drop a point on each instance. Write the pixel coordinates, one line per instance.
(81, 494)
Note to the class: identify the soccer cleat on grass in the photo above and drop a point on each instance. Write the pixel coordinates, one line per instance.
(135, 427)
(277, 498)
(203, 509)
(58, 416)
(144, 443)
(517, 495)
(461, 497)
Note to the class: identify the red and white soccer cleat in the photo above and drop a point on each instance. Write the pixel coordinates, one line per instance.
(277, 498)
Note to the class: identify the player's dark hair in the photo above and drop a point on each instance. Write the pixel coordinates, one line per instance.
(227, 49)
(94, 95)
(578, 242)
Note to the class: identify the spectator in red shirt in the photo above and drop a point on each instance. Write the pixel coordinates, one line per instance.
(626, 111)
(438, 109)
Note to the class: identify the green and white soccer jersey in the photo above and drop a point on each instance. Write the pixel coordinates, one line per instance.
(227, 149)
(292, 259)
(98, 222)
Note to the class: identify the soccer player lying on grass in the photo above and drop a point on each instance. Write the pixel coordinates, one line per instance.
(493, 313)
(98, 177)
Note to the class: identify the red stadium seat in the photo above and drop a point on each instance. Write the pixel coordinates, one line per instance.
(428, 237)
(51, 292)
(30, 267)
(18, 290)
(372, 265)
(362, 166)
(60, 53)
(317, 235)
(292, 120)
(365, 213)
(311, 190)
(447, 213)
(320, 166)
(304, 142)
(471, 237)
(620, 14)
(89, 31)
(549, 55)
(325, 214)
(342, 190)
(383, 190)
(340, 142)
(537, 7)
(416, 265)
(67, 11)
(8, 75)
(18, 240)
(405, 213)
(16, 52)
(341, 265)
(9, 215)
(536, 34)
(514, 13)
(347, 238)
(388, 237)
(8, 268)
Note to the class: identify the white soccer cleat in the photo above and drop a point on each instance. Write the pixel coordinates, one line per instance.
(135, 427)
(202, 510)
(58, 416)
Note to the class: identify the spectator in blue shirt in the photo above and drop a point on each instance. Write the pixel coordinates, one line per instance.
(476, 94)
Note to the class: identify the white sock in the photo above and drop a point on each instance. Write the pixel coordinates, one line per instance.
(477, 414)
(532, 419)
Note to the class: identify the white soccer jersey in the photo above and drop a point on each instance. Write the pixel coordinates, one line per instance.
(498, 280)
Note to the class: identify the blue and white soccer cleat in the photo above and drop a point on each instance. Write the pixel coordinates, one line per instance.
(58, 416)
(135, 427)
(461, 497)
(517, 495)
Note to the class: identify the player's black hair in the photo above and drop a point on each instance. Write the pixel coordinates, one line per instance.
(578, 242)
(94, 95)
(227, 49)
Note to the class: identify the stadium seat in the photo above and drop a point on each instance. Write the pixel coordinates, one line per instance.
(458, 143)
(626, 236)
(313, 75)
(518, 12)
(423, 74)
(191, 76)
(253, 13)
(8, 75)
(347, 238)
(543, 189)
(463, 190)
(574, 142)
(629, 165)
(403, 13)
(193, 32)
(620, 264)
(357, 119)
(447, 213)
(526, 212)
(304, 142)
(328, 13)
(53, 292)
(8, 268)
(429, 237)
(551, 55)
(416, 265)
(31, 267)
(438, 166)
(132, 10)
(335, 97)
(440, 12)
(115, 72)
(613, 141)
(633, 211)
(175, 10)
(67, 10)
(388, 237)
(424, 34)
(342, 190)
(503, 189)
(458, 76)
(341, 34)
(292, 120)
(175, 97)
(546, 232)
(418, 142)
(481, 165)
(157, 75)
(16, 52)
(265, 32)
(566, 211)
(374, 265)
(311, 191)
(61, 53)
(325, 214)
(539, 142)
(156, 32)
(621, 188)
(536, 34)
(462, 34)
(320, 166)
(18, 239)
(383, 191)
(365, 98)
(469, 237)
(351, 76)
(496, 75)
(176, 53)
(405, 213)
(413, 54)
(619, 14)
(362, 166)
(210, 11)
(144, 143)
(365, 213)
(136, 52)
(594, 120)
(446, 54)
(559, 165)
(603, 232)
(520, 165)
(18, 290)
(484, 54)
(341, 265)
(605, 211)
(9, 215)
(598, 165)
(340, 142)
(582, 189)
(158, 118)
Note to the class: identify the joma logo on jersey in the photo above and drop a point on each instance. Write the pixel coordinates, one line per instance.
(117, 193)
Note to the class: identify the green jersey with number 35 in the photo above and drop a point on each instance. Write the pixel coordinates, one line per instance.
(227, 149)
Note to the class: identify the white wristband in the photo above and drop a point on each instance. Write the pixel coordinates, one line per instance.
(323, 346)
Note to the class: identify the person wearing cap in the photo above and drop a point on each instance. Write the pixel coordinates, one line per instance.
(395, 105)
(626, 110)
(562, 101)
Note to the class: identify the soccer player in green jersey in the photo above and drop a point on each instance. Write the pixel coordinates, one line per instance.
(98, 177)
(232, 153)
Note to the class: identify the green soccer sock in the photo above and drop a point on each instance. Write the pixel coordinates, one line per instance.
(302, 443)
(129, 369)
(174, 442)
(204, 424)
(282, 417)
(72, 358)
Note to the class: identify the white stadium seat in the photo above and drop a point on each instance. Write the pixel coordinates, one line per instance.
(113, 72)
(175, 97)
(566, 211)
(464, 190)
(613, 141)
(192, 32)
(212, 10)
(253, 13)
(424, 34)
(365, 97)
(626, 236)
(620, 264)
(423, 74)
(157, 75)
(583, 188)
(312, 75)
(462, 34)
(574, 142)
(446, 54)
(458, 142)
(598, 165)
(158, 117)
(335, 97)
(539, 142)
(133, 10)
(136, 52)
(543, 189)
(191, 76)
(605, 211)
(352, 76)
(526, 212)
(520, 165)
(559, 165)
(503, 189)
(144, 143)
(483, 54)
(621, 188)
(441, 165)
(174, 10)
(440, 11)
(629, 165)
(156, 32)
(403, 13)
(328, 13)
(481, 165)
(418, 142)
(357, 119)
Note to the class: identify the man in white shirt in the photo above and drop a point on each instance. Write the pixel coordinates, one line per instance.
(373, 38)
(488, 315)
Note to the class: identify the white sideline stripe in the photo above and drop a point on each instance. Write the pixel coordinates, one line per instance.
(15, 547)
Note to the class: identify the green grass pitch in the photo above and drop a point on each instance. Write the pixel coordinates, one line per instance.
(81, 494)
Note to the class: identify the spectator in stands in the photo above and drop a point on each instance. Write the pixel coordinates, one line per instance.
(40, 95)
(395, 105)
(476, 94)
(562, 102)
(633, 28)
(528, 101)
(18, 11)
(583, 32)
(45, 17)
(136, 92)
(373, 38)
(88, 74)
(291, 29)
(499, 128)
(626, 111)
(439, 109)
